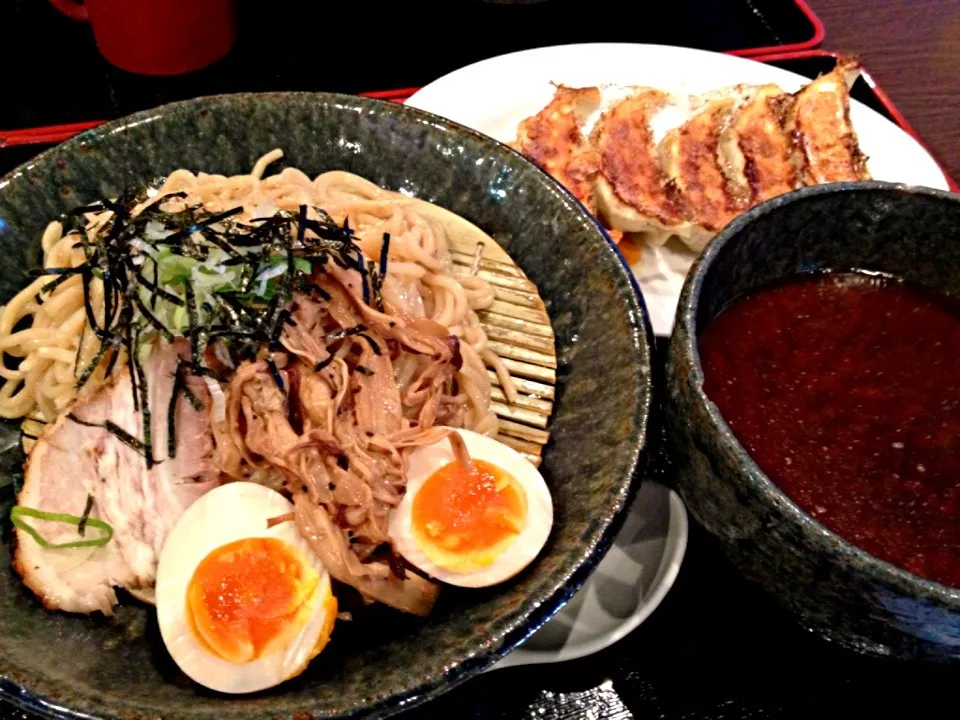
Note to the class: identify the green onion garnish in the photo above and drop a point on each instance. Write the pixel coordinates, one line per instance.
(19, 513)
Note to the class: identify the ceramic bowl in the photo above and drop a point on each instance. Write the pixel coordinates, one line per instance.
(834, 588)
(75, 666)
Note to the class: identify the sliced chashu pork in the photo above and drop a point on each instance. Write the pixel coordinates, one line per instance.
(633, 194)
(72, 461)
(553, 140)
(825, 144)
(755, 146)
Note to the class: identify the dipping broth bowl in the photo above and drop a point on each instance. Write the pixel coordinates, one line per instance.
(832, 587)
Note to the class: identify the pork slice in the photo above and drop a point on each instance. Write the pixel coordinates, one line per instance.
(76, 459)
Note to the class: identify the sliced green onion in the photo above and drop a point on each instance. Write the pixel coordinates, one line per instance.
(19, 512)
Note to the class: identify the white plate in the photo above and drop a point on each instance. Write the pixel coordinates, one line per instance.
(628, 584)
(494, 95)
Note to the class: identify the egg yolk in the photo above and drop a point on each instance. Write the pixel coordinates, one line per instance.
(464, 519)
(250, 598)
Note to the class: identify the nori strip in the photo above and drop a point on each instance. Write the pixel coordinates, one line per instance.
(114, 354)
(92, 365)
(191, 398)
(178, 386)
(88, 307)
(343, 332)
(123, 436)
(115, 430)
(60, 270)
(186, 232)
(144, 407)
(324, 295)
(373, 345)
(151, 318)
(82, 525)
(157, 291)
(132, 340)
(323, 363)
(192, 323)
(282, 317)
(364, 370)
(211, 237)
(384, 253)
(275, 373)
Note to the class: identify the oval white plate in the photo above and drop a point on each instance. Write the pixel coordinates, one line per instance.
(628, 584)
(494, 95)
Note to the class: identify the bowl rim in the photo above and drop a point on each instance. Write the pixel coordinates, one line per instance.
(17, 693)
(687, 315)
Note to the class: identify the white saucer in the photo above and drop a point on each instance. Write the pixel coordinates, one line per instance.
(626, 587)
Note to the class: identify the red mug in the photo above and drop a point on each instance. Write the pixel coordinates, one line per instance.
(158, 37)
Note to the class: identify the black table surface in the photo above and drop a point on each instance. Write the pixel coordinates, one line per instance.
(354, 47)
(716, 647)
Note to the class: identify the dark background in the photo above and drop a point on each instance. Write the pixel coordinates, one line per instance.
(354, 46)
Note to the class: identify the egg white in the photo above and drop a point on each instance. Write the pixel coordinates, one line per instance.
(231, 512)
(425, 461)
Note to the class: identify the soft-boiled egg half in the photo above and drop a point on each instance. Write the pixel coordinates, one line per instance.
(471, 526)
(241, 606)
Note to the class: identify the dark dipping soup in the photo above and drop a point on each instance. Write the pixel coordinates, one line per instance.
(845, 390)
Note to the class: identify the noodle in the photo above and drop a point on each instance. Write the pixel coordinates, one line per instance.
(49, 333)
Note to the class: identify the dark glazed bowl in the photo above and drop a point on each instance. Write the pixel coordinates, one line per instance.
(834, 588)
(74, 666)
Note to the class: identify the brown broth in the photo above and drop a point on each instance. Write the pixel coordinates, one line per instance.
(845, 390)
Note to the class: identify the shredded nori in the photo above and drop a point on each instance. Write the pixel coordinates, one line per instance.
(244, 321)
(155, 289)
(178, 386)
(139, 445)
(373, 345)
(282, 317)
(53, 285)
(275, 373)
(117, 431)
(92, 365)
(151, 318)
(144, 408)
(323, 363)
(324, 295)
(384, 254)
(82, 525)
(181, 235)
(363, 370)
(191, 398)
(192, 323)
(114, 354)
(344, 332)
(132, 341)
(68, 271)
(87, 276)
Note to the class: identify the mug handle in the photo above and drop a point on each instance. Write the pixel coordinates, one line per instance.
(71, 8)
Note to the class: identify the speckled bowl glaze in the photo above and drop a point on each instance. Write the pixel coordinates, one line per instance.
(834, 588)
(74, 666)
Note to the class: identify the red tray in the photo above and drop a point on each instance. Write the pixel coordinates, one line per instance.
(819, 32)
(788, 59)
